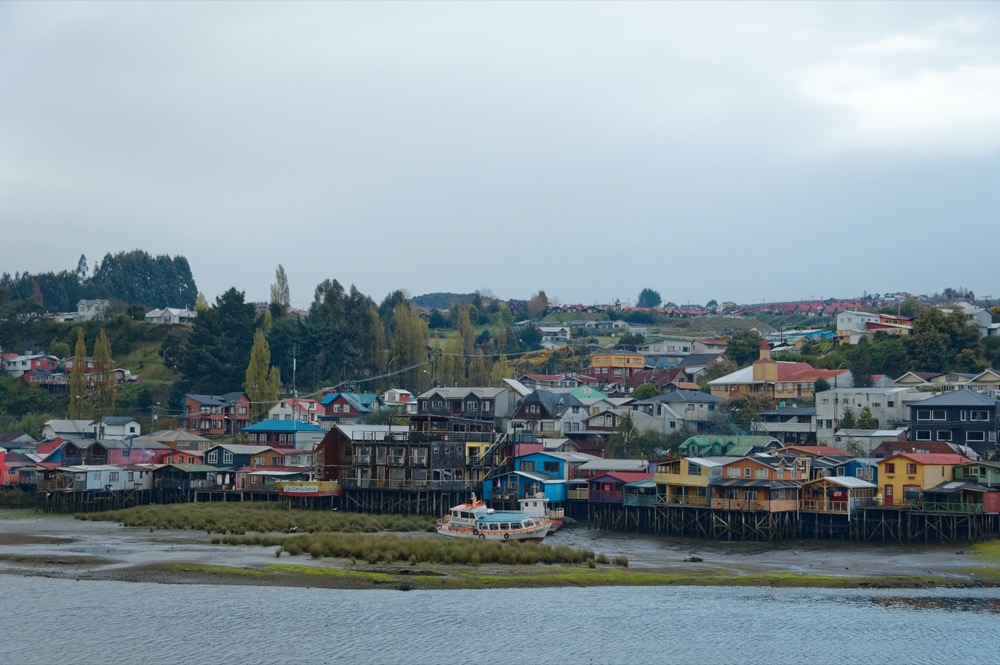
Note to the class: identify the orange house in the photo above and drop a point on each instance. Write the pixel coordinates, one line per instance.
(760, 483)
(184, 457)
(902, 477)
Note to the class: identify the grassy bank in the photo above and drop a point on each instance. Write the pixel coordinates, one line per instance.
(241, 518)
(406, 578)
(390, 549)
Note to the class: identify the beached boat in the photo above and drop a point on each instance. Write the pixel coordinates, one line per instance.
(538, 506)
(475, 520)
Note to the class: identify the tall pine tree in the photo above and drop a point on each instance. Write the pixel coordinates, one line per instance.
(262, 378)
(78, 379)
(105, 383)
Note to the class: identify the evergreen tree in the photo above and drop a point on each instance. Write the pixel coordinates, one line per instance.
(262, 379)
(78, 380)
(105, 384)
(867, 420)
(847, 419)
(218, 350)
(378, 351)
(280, 296)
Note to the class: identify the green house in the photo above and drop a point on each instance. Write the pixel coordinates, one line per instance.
(713, 445)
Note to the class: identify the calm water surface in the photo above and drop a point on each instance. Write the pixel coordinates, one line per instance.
(63, 621)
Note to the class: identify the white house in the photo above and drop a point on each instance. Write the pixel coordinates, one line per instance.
(171, 316)
(91, 310)
(302, 410)
(890, 406)
(852, 325)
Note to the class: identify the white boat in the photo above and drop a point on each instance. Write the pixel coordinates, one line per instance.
(538, 506)
(475, 520)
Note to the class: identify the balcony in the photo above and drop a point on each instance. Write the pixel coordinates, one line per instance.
(953, 507)
(375, 483)
(640, 499)
(606, 497)
(578, 495)
(685, 500)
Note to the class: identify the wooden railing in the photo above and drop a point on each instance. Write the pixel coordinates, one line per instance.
(640, 499)
(953, 507)
(578, 495)
(373, 483)
(685, 500)
(605, 497)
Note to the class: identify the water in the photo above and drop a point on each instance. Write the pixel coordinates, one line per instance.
(55, 620)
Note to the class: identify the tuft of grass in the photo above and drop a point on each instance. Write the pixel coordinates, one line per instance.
(264, 517)
(390, 548)
(319, 571)
(621, 561)
(209, 569)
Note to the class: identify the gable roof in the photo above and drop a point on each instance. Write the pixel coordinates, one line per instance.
(282, 426)
(216, 400)
(932, 458)
(963, 397)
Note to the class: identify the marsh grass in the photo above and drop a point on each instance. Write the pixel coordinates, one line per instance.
(245, 518)
(391, 548)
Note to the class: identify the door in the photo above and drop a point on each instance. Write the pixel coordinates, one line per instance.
(888, 495)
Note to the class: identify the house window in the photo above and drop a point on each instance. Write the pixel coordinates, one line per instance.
(397, 455)
(975, 436)
(418, 456)
(890, 467)
(213, 457)
(363, 454)
(747, 472)
(113, 477)
(911, 469)
(923, 435)
(694, 469)
(939, 414)
(242, 411)
(890, 403)
(227, 457)
(472, 406)
(527, 466)
(550, 467)
(336, 408)
(979, 415)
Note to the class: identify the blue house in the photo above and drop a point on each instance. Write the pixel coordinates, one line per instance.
(861, 468)
(545, 472)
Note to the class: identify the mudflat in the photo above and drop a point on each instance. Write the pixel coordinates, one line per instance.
(83, 550)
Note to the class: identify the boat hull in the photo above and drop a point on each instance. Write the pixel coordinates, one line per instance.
(536, 533)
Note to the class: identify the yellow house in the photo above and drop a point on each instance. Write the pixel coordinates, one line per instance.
(685, 481)
(618, 359)
(902, 477)
(474, 451)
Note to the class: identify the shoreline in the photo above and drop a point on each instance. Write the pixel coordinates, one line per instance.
(66, 548)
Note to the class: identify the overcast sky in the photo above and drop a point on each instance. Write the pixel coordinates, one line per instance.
(741, 152)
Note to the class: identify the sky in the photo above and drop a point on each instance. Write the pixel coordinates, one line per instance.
(744, 152)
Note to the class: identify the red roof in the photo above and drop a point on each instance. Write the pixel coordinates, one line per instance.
(932, 458)
(625, 476)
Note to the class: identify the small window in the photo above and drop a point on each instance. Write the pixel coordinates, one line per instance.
(911, 469)
(890, 467)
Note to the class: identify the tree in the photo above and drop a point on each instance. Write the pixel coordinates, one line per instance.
(214, 359)
(645, 391)
(59, 349)
(743, 348)
(450, 366)
(630, 341)
(410, 347)
(716, 370)
(378, 350)
(480, 370)
(628, 441)
(280, 295)
(262, 378)
(463, 324)
(847, 419)
(867, 420)
(537, 305)
(820, 385)
(531, 338)
(648, 298)
(201, 303)
(743, 410)
(105, 382)
(78, 380)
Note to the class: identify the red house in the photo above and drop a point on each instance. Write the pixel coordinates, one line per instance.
(216, 415)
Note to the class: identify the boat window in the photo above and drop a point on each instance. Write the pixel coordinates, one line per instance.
(494, 527)
(505, 526)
